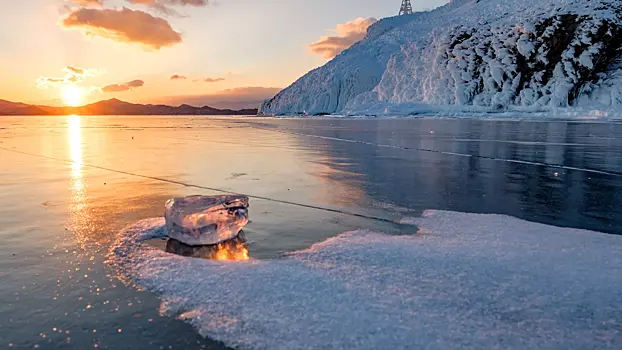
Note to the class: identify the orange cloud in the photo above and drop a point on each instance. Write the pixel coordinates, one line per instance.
(124, 25)
(178, 77)
(95, 3)
(72, 75)
(123, 87)
(347, 35)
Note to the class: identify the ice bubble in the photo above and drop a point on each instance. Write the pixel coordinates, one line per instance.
(206, 220)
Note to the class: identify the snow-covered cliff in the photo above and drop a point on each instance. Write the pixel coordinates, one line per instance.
(473, 55)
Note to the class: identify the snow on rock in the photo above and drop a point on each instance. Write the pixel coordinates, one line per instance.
(483, 55)
(466, 281)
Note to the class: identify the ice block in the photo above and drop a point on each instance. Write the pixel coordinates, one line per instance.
(206, 220)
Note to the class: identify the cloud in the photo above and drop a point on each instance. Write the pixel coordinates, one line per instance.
(94, 3)
(236, 98)
(72, 75)
(159, 7)
(196, 80)
(124, 25)
(75, 70)
(252, 90)
(347, 35)
(163, 6)
(213, 80)
(208, 80)
(123, 87)
(171, 2)
(187, 2)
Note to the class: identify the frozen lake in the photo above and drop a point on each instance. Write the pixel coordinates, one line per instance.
(69, 185)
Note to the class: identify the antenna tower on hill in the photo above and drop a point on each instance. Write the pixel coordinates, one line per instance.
(406, 8)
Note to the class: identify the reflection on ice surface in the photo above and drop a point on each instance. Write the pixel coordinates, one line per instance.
(466, 281)
(233, 249)
(206, 220)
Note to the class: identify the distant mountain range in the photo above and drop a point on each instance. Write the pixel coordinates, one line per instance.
(116, 107)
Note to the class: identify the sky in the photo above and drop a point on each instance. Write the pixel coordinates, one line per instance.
(220, 52)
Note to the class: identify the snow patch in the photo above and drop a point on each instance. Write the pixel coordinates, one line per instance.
(471, 282)
(408, 221)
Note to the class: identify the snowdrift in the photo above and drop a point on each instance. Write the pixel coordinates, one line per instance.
(473, 56)
(465, 281)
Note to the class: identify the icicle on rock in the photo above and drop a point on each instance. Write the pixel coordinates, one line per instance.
(206, 220)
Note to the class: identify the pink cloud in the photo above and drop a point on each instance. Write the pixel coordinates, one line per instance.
(213, 80)
(124, 25)
(347, 35)
(178, 77)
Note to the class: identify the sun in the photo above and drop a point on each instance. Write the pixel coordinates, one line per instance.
(72, 95)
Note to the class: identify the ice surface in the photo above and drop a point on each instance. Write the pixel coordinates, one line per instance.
(473, 56)
(466, 281)
(206, 220)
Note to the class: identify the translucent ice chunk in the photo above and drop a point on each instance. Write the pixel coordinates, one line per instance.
(203, 220)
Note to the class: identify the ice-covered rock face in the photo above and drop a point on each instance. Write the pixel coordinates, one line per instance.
(206, 220)
(480, 55)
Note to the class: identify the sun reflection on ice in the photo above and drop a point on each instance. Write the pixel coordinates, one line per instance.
(78, 208)
(75, 146)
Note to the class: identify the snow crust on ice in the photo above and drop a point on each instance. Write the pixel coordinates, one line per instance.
(466, 281)
(473, 55)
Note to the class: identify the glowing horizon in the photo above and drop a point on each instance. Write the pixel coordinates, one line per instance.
(96, 50)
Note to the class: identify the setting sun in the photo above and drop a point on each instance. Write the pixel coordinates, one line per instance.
(72, 95)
